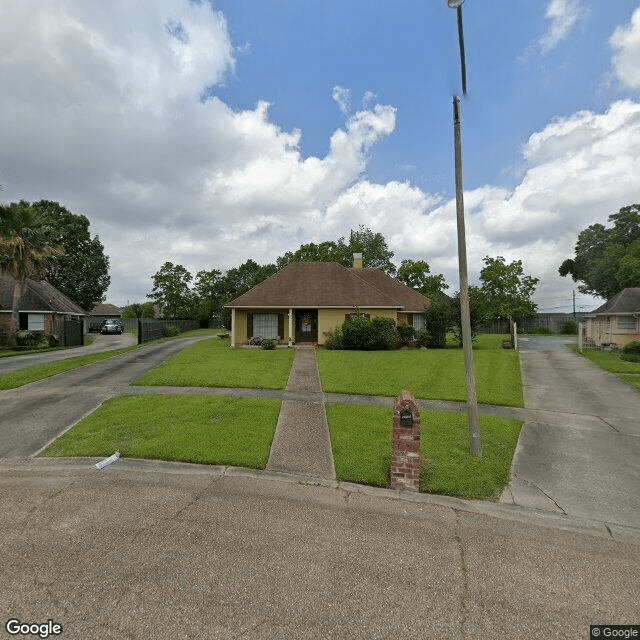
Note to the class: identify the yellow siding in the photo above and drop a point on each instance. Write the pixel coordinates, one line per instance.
(241, 337)
(329, 319)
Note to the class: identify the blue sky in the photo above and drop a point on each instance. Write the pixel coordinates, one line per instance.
(206, 133)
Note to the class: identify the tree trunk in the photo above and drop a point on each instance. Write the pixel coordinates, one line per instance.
(14, 324)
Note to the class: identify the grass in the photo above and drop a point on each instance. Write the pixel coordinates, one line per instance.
(434, 374)
(361, 439)
(207, 430)
(212, 363)
(628, 372)
(46, 370)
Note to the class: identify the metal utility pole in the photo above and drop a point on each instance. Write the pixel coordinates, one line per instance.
(465, 315)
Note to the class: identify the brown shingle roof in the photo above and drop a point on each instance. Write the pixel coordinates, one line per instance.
(627, 301)
(105, 309)
(38, 296)
(326, 284)
(408, 298)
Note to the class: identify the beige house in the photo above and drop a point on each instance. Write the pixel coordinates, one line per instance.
(617, 321)
(306, 299)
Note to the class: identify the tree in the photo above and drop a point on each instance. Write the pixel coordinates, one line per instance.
(171, 291)
(139, 310)
(438, 319)
(607, 260)
(478, 313)
(206, 290)
(24, 252)
(415, 274)
(507, 289)
(82, 273)
(374, 250)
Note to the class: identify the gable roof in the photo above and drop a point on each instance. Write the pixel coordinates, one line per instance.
(105, 309)
(327, 284)
(627, 301)
(38, 296)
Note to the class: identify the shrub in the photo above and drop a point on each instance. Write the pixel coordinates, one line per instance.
(406, 333)
(334, 339)
(170, 330)
(631, 351)
(25, 338)
(268, 344)
(359, 333)
(425, 339)
(569, 328)
(386, 331)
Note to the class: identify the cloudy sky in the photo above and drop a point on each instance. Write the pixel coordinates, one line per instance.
(209, 132)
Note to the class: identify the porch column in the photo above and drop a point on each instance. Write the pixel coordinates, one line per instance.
(290, 324)
(233, 328)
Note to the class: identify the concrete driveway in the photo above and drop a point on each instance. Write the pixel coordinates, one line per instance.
(579, 451)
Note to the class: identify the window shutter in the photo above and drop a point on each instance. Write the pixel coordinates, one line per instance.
(281, 325)
(249, 326)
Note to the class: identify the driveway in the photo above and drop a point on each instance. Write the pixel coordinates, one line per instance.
(579, 451)
(35, 414)
(100, 343)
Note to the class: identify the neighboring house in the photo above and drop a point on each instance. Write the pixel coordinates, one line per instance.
(617, 321)
(43, 309)
(306, 299)
(102, 312)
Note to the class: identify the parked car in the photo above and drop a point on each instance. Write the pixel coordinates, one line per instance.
(111, 326)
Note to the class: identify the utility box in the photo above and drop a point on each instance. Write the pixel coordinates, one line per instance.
(405, 443)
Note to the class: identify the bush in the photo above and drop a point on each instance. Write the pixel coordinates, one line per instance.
(170, 330)
(334, 339)
(268, 344)
(631, 351)
(569, 328)
(425, 339)
(359, 333)
(406, 333)
(386, 331)
(25, 338)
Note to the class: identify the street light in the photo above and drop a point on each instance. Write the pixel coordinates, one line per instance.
(465, 315)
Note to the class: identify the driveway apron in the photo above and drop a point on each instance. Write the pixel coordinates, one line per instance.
(579, 454)
(302, 443)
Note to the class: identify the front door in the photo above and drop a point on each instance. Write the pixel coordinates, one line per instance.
(306, 325)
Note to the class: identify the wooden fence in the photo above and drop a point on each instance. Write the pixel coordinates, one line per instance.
(151, 329)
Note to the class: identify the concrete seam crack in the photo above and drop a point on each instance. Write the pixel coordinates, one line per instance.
(464, 598)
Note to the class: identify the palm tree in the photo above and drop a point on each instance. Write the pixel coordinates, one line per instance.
(24, 252)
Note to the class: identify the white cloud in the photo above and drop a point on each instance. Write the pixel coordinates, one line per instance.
(626, 43)
(342, 96)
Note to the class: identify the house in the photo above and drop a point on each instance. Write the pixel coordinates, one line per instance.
(42, 309)
(617, 321)
(101, 312)
(304, 300)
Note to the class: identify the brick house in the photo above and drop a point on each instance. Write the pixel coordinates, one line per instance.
(304, 300)
(42, 308)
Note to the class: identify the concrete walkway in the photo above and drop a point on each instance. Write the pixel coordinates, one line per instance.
(302, 444)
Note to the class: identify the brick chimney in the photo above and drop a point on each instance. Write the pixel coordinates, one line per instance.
(357, 261)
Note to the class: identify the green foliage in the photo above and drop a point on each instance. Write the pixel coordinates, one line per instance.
(170, 330)
(415, 274)
(82, 271)
(139, 310)
(406, 333)
(386, 331)
(630, 352)
(333, 339)
(569, 328)
(438, 319)
(478, 313)
(171, 291)
(507, 290)
(360, 333)
(25, 338)
(607, 260)
(540, 331)
(268, 344)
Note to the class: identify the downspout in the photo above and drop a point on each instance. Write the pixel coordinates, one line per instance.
(290, 325)
(233, 328)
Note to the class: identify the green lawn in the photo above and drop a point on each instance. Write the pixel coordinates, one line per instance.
(208, 430)
(628, 372)
(361, 439)
(211, 363)
(434, 374)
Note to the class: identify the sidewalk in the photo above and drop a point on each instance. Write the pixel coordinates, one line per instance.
(302, 444)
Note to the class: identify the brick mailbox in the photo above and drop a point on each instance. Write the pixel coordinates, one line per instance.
(405, 443)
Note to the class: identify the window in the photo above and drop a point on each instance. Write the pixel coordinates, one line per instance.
(36, 322)
(265, 325)
(626, 322)
(418, 321)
